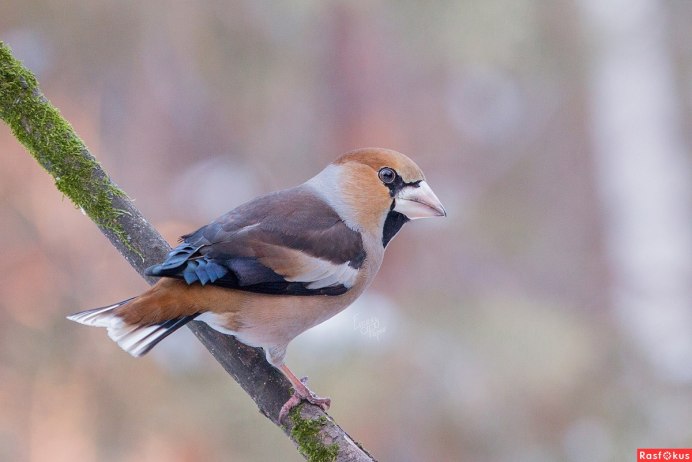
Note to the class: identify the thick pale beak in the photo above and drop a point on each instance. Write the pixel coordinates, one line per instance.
(418, 202)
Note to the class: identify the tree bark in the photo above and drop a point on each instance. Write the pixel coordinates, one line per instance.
(55, 145)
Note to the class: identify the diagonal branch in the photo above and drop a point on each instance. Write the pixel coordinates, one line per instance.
(53, 143)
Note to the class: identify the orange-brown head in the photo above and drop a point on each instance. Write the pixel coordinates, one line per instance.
(377, 190)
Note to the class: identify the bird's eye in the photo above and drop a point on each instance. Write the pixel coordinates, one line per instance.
(387, 175)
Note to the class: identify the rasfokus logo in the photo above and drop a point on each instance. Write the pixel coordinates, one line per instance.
(664, 454)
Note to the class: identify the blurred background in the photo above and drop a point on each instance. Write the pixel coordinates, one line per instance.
(549, 317)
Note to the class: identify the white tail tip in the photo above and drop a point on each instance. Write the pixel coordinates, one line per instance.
(136, 340)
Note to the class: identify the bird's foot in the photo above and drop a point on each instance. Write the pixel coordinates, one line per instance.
(302, 393)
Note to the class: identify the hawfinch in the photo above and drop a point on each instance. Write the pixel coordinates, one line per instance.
(281, 263)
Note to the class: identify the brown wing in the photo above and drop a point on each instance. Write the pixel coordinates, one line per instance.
(288, 242)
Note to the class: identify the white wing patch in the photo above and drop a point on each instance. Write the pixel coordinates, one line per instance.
(340, 275)
(317, 273)
(296, 266)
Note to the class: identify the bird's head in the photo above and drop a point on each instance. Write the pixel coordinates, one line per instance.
(378, 190)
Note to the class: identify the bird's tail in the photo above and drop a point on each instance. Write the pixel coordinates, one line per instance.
(135, 339)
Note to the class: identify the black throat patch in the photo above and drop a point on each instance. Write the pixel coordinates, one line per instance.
(392, 225)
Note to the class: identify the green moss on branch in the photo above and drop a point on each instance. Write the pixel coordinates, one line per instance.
(52, 141)
(305, 433)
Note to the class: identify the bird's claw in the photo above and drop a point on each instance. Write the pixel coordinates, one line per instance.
(303, 394)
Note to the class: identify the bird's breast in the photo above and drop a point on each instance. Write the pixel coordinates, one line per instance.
(267, 320)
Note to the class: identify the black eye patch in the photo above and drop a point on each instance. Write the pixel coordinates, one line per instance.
(398, 184)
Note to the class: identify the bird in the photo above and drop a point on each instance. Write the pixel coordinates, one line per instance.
(279, 264)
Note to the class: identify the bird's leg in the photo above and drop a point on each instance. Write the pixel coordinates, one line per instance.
(300, 392)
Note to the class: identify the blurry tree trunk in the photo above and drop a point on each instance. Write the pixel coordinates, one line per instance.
(54, 144)
(643, 177)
